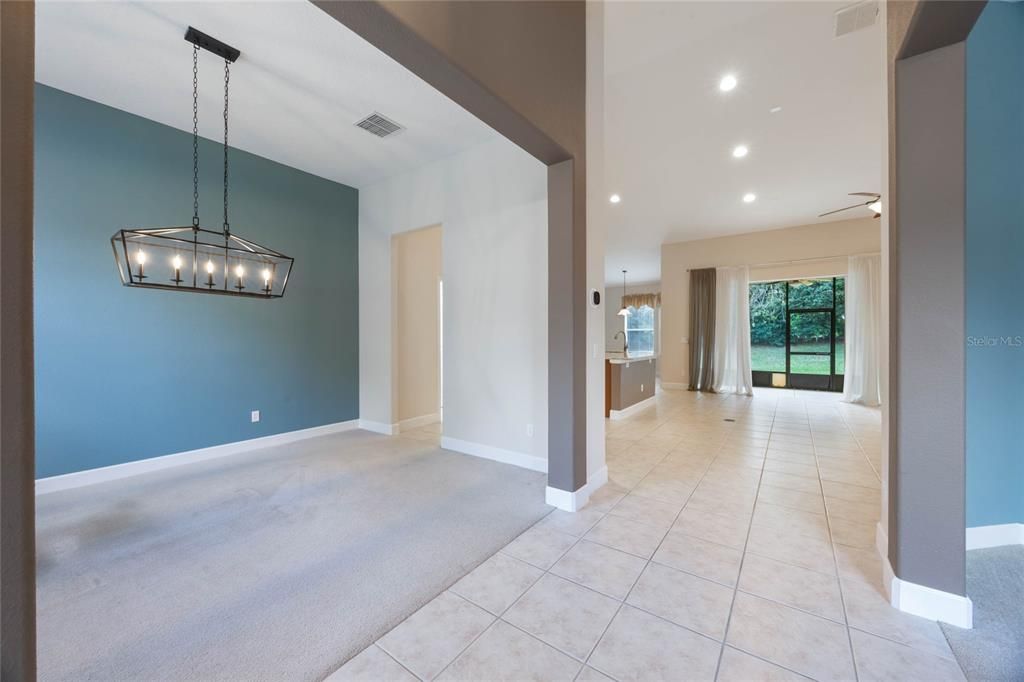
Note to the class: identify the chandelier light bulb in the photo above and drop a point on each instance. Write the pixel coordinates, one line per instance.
(266, 274)
(209, 266)
(177, 262)
(240, 271)
(140, 257)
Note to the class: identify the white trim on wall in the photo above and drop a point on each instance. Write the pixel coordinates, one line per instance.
(983, 537)
(379, 427)
(519, 459)
(632, 409)
(574, 501)
(114, 472)
(932, 604)
(416, 422)
(920, 600)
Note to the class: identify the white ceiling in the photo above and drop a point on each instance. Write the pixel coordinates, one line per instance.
(301, 83)
(670, 131)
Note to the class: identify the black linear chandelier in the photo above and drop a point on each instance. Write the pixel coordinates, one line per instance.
(192, 258)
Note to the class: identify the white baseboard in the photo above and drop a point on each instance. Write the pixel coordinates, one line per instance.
(379, 427)
(882, 547)
(881, 541)
(983, 537)
(932, 604)
(520, 459)
(416, 422)
(920, 600)
(632, 409)
(674, 386)
(574, 501)
(114, 472)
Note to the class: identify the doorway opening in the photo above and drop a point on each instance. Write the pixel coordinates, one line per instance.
(798, 333)
(418, 326)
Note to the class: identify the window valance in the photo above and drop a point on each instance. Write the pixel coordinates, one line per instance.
(640, 300)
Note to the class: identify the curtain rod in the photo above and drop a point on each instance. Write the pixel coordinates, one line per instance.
(798, 260)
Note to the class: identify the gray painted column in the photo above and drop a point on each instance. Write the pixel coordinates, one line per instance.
(927, 464)
(567, 329)
(17, 418)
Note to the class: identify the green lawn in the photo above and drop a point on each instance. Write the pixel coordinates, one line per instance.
(773, 359)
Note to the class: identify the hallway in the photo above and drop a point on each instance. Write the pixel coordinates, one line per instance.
(734, 541)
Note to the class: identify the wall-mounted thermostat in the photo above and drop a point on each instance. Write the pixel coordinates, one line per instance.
(595, 298)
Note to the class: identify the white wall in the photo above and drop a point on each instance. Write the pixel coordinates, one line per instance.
(491, 202)
(597, 233)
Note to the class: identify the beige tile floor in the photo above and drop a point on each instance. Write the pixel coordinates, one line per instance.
(734, 541)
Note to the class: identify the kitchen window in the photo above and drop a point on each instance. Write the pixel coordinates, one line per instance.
(640, 329)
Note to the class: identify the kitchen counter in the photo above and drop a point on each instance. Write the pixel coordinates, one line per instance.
(629, 382)
(617, 357)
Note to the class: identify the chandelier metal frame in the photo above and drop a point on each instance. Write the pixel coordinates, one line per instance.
(234, 265)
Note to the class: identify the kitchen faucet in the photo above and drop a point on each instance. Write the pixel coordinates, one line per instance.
(625, 341)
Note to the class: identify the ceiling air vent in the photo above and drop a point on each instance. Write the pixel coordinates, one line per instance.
(856, 17)
(379, 125)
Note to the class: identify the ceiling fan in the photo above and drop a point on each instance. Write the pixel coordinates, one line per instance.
(874, 204)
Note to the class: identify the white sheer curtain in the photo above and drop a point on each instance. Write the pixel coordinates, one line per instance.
(732, 331)
(862, 383)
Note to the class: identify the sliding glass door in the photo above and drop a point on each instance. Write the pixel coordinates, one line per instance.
(810, 353)
(797, 332)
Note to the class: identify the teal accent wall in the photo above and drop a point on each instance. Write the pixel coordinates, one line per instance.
(127, 374)
(995, 266)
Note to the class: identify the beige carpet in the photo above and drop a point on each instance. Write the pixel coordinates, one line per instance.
(277, 564)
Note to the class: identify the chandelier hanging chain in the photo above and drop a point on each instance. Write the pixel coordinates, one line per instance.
(195, 136)
(227, 79)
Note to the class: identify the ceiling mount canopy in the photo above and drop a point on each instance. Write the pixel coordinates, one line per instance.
(192, 258)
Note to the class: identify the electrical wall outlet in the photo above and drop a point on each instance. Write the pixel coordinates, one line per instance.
(641, 388)
(529, 430)
(255, 416)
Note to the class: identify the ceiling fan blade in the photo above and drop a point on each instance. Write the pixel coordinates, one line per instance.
(839, 210)
(865, 194)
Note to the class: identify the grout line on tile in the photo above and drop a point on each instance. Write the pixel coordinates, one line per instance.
(388, 654)
(835, 560)
(739, 573)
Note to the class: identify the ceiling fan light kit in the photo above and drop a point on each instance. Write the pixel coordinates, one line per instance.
(190, 257)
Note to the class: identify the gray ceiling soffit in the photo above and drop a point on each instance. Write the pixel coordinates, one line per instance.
(940, 23)
(381, 29)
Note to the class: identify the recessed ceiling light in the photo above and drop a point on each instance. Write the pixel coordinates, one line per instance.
(739, 151)
(749, 198)
(615, 198)
(727, 83)
(774, 110)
